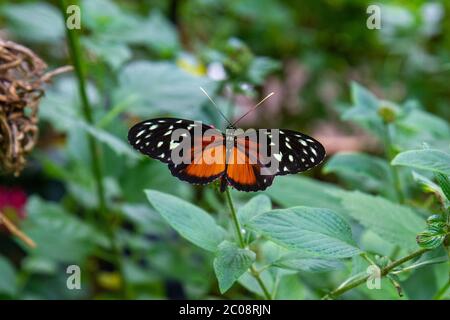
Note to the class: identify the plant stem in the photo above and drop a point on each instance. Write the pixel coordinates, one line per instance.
(237, 225)
(441, 293)
(384, 271)
(390, 155)
(240, 237)
(77, 58)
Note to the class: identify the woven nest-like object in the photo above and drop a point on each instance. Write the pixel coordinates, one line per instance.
(21, 80)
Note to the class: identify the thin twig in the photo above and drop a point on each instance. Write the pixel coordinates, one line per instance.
(49, 75)
(15, 231)
(384, 271)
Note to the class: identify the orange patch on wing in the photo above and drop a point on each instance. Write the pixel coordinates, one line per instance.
(239, 169)
(208, 162)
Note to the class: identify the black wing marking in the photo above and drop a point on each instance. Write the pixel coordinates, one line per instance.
(297, 152)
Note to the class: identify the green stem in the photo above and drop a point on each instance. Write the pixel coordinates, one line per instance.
(441, 293)
(77, 58)
(240, 237)
(384, 271)
(394, 171)
(237, 225)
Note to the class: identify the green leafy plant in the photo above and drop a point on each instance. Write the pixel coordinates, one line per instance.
(379, 202)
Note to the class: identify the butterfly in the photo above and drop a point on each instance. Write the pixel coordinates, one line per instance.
(200, 154)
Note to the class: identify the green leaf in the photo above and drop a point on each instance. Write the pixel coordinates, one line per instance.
(363, 97)
(428, 159)
(250, 283)
(444, 183)
(163, 87)
(8, 279)
(394, 223)
(59, 107)
(366, 170)
(34, 22)
(39, 265)
(59, 236)
(291, 287)
(435, 233)
(302, 261)
(156, 32)
(230, 263)
(419, 121)
(257, 205)
(190, 221)
(261, 67)
(145, 219)
(358, 113)
(426, 184)
(312, 230)
(430, 240)
(112, 23)
(290, 191)
(114, 54)
(119, 146)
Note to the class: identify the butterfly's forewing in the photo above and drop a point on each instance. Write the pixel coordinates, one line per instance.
(297, 152)
(155, 138)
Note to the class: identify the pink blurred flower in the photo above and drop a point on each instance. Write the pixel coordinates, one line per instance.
(13, 198)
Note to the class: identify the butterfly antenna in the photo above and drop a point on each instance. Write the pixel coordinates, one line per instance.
(254, 108)
(217, 107)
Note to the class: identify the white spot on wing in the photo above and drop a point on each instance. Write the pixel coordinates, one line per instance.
(173, 144)
(291, 158)
(159, 144)
(140, 133)
(153, 127)
(278, 156)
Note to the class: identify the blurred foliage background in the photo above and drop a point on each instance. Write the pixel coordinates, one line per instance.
(333, 78)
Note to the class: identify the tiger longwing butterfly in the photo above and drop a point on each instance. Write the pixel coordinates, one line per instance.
(248, 161)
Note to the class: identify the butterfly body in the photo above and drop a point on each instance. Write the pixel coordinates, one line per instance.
(246, 160)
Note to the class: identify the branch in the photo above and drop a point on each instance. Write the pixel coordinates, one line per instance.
(49, 75)
(384, 271)
(15, 231)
